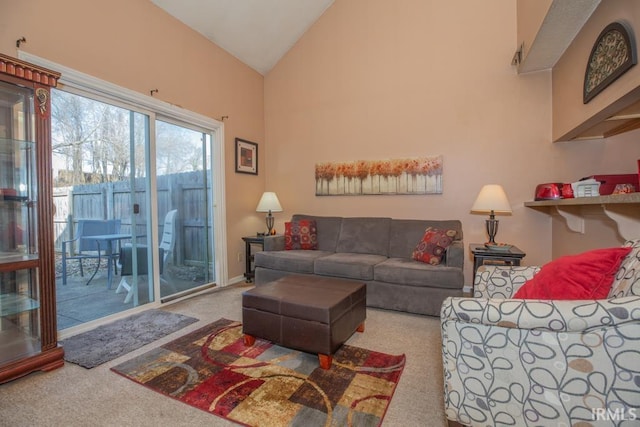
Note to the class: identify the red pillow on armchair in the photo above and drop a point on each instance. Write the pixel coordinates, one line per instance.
(586, 276)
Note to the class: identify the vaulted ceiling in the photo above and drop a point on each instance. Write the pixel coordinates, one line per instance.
(260, 32)
(257, 32)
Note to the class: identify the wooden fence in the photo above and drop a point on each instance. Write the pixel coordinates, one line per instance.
(113, 200)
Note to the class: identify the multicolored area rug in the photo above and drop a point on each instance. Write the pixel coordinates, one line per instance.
(265, 384)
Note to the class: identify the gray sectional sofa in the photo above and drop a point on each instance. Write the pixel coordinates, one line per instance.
(376, 251)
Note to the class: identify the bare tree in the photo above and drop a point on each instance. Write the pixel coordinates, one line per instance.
(93, 139)
(178, 149)
(70, 131)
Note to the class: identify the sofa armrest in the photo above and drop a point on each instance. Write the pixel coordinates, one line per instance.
(494, 281)
(455, 254)
(274, 243)
(542, 315)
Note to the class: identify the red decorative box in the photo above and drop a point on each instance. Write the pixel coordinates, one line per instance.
(608, 182)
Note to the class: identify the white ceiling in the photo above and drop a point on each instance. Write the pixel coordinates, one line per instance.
(257, 32)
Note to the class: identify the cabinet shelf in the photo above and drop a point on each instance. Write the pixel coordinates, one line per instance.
(20, 143)
(11, 304)
(621, 208)
(17, 158)
(18, 262)
(21, 199)
(15, 343)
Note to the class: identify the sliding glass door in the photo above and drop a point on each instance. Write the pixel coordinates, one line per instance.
(138, 193)
(102, 220)
(184, 195)
(110, 242)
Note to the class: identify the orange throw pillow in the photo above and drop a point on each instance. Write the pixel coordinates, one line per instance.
(586, 276)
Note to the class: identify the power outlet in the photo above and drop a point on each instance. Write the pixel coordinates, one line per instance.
(239, 256)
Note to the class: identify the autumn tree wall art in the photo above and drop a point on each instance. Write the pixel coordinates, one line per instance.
(422, 175)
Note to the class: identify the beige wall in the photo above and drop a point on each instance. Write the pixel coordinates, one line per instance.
(374, 79)
(134, 44)
(531, 14)
(568, 74)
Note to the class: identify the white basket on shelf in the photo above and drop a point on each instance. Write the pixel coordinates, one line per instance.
(586, 188)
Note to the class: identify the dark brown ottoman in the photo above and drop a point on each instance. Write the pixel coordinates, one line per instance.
(308, 313)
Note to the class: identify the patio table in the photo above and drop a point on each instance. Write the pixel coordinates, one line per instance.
(108, 240)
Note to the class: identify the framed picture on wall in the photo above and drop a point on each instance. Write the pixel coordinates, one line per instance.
(246, 157)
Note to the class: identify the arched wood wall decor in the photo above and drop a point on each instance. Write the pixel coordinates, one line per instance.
(611, 56)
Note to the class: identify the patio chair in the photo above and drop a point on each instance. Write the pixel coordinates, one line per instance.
(168, 241)
(167, 245)
(88, 248)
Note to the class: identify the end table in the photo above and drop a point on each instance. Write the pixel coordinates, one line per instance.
(483, 255)
(249, 273)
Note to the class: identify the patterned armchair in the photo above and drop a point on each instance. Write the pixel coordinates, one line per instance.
(514, 362)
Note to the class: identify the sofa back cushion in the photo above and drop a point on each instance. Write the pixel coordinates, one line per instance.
(627, 280)
(328, 230)
(364, 236)
(405, 234)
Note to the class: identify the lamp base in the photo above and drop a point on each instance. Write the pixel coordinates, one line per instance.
(492, 230)
(270, 220)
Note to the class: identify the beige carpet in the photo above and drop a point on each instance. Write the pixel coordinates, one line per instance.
(74, 396)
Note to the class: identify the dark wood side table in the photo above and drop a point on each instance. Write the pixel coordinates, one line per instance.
(249, 273)
(482, 255)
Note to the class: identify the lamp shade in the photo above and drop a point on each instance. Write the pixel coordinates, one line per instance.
(491, 198)
(269, 203)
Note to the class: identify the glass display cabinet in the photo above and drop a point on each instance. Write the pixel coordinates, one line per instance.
(28, 333)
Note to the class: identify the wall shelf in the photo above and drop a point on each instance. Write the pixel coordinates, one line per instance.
(623, 209)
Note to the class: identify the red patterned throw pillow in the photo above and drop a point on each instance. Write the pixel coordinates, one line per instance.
(586, 276)
(301, 234)
(434, 243)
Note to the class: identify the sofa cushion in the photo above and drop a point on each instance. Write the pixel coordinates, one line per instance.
(364, 236)
(406, 271)
(348, 265)
(405, 233)
(328, 228)
(586, 276)
(433, 245)
(295, 261)
(301, 234)
(627, 281)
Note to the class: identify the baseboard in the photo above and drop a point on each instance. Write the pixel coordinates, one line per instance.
(237, 279)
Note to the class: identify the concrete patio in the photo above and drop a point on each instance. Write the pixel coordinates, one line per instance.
(78, 302)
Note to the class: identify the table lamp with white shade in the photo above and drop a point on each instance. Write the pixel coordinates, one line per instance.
(269, 203)
(492, 199)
